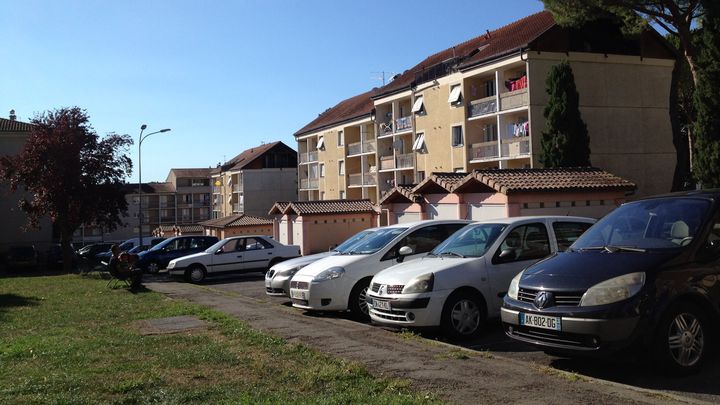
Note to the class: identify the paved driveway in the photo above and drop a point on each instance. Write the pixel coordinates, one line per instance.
(509, 371)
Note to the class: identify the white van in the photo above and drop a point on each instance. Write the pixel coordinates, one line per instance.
(463, 280)
(340, 282)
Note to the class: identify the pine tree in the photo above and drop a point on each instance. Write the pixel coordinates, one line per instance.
(707, 100)
(565, 141)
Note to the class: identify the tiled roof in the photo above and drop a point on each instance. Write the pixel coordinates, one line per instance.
(328, 207)
(399, 194)
(439, 183)
(486, 46)
(279, 207)
(7, 125)
(545, 180)
(346, 110)
(235, 220)
(183, 229)
(248, 156)
(194, 173)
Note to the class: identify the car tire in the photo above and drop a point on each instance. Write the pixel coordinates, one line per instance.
(195, 274)
(357, 302)
(463, 315)
(682, 339)
(153, 267)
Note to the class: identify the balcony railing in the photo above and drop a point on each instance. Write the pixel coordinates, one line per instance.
(387, 162)
(403, 124)
(405, 161)
(308, 184)
(516, 146)
(366, 179)
(514, 99)
(309, 157)
(238, 207)
(237, 188)
(484, 150)
(483, 106)
(361, 147)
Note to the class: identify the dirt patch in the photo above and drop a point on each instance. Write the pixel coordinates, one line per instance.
(164, 326)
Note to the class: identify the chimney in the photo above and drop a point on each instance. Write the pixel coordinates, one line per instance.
(13, 117)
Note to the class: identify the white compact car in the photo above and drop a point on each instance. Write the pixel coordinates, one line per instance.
(277, 279)
(238, 254)
(464, 279)
(340, 282)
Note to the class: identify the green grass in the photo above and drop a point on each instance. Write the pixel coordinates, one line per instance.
(69, 339)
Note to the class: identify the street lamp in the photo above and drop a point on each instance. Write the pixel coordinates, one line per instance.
(142, 138)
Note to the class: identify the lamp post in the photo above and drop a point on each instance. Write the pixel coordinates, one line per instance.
(142, 138)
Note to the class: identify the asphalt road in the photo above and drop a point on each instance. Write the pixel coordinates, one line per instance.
(624, 370)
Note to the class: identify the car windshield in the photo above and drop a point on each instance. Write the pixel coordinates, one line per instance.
(471, 241)
(663, 223)
(375, 242)
(127, 245)
(217, 245)
(345, 246)
(161, 245)
(138, 249)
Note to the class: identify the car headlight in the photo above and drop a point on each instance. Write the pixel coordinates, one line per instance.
(515, 286)
(420, 284)
(291, 271)
(613, 290)
(171, 265)
(329, 274)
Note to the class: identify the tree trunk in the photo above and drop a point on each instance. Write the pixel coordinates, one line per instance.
(681, 178)
(67, 250)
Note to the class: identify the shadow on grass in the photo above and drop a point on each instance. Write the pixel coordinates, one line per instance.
(8, 301)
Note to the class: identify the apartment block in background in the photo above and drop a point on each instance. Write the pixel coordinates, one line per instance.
(252, 181)
(479, 105)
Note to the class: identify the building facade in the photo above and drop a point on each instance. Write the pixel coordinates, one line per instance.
(479, 105)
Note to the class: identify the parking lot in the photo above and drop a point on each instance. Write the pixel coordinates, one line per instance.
(618, 371)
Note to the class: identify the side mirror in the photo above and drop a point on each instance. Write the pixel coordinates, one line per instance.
(402, 252)
(217, 252)
(506, 255)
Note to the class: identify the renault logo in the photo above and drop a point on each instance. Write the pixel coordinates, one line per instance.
(543, 299)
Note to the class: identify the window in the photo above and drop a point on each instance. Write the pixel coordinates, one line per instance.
(418, 107)
(341, 138)
(490, 133)
(424, 239)
(342, 194)
(230, 246)
(322, 169)
(455, 95)
(420, 176)
(567, 232)
(457, 135)
(489, 88)
(341, 167)
(253, 244)
(321, 142)
(419, 144)
(526, 242)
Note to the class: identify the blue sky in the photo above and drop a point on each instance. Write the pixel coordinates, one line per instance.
(224, 75)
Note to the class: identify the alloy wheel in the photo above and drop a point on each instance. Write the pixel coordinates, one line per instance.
(686, 339)
(362, 301)
(153, 268)
(465, 317)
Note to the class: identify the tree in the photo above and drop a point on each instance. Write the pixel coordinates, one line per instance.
(73, 176)
(674, 16)
(707, 100)
(565, 141)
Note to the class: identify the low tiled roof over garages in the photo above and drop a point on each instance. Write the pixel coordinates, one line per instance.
(399, 194)
(439, 183)
(508, 181)
(235, 220)
(183, 229)
(324, 207)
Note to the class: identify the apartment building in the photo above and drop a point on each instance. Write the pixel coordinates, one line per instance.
(252, 181)
(479, 105)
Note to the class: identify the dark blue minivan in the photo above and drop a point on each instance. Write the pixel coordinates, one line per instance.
(158, 257)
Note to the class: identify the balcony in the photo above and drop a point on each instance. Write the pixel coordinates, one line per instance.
(516, 146)
(238, 207)
(366, 179)
(514, 99)
(358, 148)
(483, 106)
(309, 157)
(405, 161)
(306, 184)
(217, 189)
(387, 162)
(484, 150)
(403, 124)
(237, 188)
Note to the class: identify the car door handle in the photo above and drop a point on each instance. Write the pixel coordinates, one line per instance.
(240, 256)
(270, 253)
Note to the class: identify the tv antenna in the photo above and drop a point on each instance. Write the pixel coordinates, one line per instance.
(385, 76)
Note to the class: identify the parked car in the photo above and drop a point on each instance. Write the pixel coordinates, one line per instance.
(127, 246)
(160, 255)
(239, 254)
(340, 282)
(277, 279)
(462, 281)
(54, 256)
(22, 257)
(646, 276)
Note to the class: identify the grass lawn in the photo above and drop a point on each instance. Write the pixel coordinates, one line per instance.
(69, 339)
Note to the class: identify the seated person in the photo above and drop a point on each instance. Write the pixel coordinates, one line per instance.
(121, 265)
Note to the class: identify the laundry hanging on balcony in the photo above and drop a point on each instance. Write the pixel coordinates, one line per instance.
(516, 84)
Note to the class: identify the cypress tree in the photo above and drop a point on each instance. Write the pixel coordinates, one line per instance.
(565, 141)
(707, 100)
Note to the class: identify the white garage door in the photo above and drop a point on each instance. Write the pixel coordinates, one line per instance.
(407, 217)
(479, 212)
(442, 211)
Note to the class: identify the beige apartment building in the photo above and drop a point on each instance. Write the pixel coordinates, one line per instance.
(479, 105)
(252, 181)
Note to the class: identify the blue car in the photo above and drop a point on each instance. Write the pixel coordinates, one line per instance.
(158, 257)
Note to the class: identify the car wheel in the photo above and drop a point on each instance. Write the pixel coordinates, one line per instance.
(463, 315)
(195, 274)
(358, 300)
(152, 267)
(682, 339)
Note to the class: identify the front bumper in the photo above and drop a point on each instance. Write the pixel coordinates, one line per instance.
(330, 295)
(409, 310)
(277, 284)
(177, 271)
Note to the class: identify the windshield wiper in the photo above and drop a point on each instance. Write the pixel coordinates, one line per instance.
(613, 249)
(451, 254)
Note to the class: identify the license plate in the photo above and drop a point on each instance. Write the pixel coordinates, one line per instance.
(381, 304)
(298, 294)
(540, 321)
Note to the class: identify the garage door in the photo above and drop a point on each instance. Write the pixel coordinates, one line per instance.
(442, 211)
(479, 212)
(407, 217)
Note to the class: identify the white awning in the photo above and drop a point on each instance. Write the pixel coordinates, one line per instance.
(455, 95)
(419, 143)
(418, 106)
(321, 142)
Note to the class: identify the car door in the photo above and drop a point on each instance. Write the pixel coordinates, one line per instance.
(521, 246)
(227, 258)
(257, 253)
